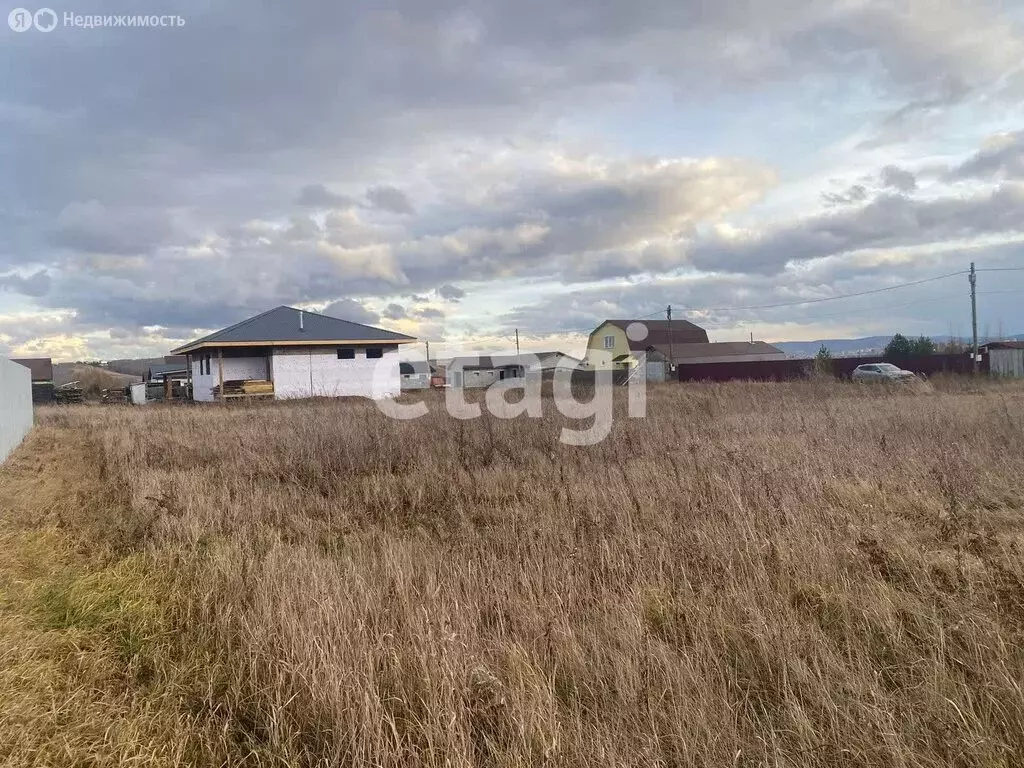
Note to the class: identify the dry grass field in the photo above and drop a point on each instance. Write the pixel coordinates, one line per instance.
(804, 574)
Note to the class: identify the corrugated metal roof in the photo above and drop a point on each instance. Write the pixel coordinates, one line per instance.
(294, 326)
(41, 367)
(661, 331)
(1003, 345)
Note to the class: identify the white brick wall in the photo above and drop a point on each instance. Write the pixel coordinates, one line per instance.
(317, 372)
(234, 368)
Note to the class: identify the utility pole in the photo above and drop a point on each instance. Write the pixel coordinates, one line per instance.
(671, 354)
(517, 342)
(428, 352)
(974, 316)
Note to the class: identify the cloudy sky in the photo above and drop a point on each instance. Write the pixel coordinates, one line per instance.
(457, 170)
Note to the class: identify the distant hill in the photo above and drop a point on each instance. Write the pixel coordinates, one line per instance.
(91, 376)
(867, 345)
(138, 367)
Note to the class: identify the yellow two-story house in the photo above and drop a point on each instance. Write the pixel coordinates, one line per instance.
(614, 344)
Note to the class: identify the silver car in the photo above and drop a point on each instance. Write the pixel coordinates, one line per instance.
(880, 372)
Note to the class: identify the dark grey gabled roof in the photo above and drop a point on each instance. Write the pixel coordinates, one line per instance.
(287, 325)
(410, 367)
(162, 369)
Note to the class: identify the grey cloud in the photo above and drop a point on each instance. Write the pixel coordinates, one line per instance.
(27, 329)
(302, 228)
(318, 196)
(593, 222)
(429, 313)
(1003, 159)
(432, 332)
(450, 292)
(389, 199)
(36, 285)
(597, 220)
(715, 301)
(93, 228)
(919, 115)
(889, 220)
(893, 177)
(857, 193)
(349, 309)
(395, 312)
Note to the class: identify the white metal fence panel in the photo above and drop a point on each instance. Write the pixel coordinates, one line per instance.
(15, 405)
(1007, 362)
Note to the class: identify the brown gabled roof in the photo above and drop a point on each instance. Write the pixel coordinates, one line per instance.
(723, 349)
(41, 367)
(662, 331)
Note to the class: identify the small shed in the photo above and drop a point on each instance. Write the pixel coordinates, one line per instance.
(416, 374)
(482, 371)
(1005, 358)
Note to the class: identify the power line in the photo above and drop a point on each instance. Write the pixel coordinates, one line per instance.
(828, 298)
(883, 307)
(824, 299)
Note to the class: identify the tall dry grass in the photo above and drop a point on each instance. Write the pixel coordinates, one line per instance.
(806, 574)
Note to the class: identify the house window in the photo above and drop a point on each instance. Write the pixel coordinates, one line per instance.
(609, 342)
(374, 352)
(346, 353)
(205, 360)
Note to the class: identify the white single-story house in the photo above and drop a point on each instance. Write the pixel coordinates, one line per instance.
(483, 370)
(300, 353)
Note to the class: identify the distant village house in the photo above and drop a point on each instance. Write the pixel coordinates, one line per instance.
(621, 344)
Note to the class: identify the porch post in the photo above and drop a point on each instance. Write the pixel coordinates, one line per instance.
(220, 373)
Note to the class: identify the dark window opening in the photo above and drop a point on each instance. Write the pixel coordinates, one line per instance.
(374, 352)
(346, 353)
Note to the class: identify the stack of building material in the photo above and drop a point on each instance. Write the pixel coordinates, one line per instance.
(69, 393)
(246, 388)
(115, 395)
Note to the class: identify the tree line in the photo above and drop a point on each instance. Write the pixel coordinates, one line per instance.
(900, 347)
